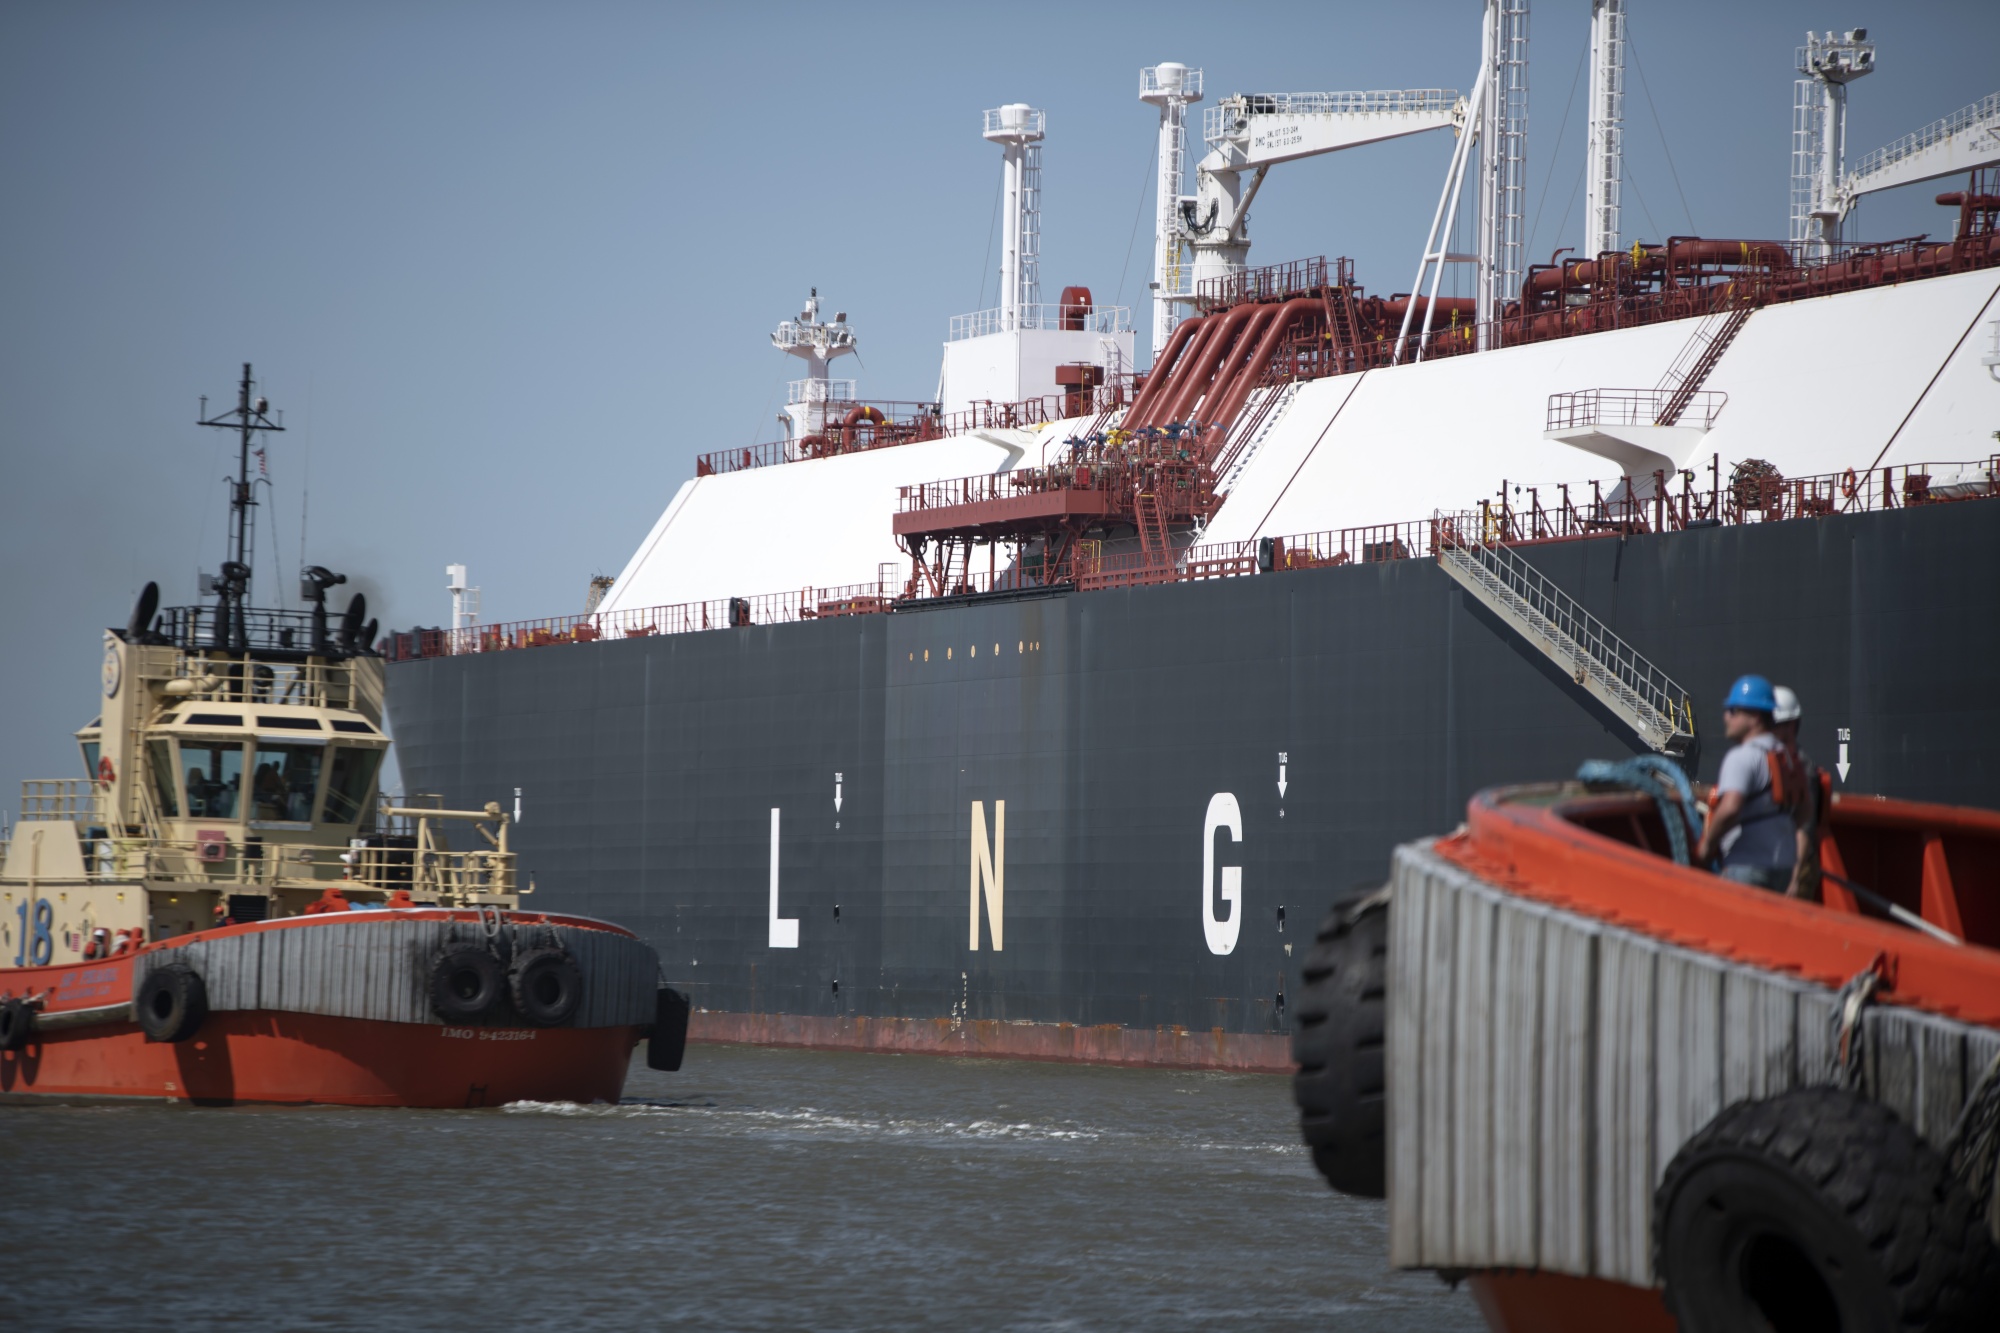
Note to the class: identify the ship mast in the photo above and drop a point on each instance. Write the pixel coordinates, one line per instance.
(234, 584)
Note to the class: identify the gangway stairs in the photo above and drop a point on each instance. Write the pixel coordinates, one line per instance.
(1637, 692)
(1689, 372)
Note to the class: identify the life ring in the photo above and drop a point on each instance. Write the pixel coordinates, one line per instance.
(171, 1003)
(1848, 484)
(105, 772)
(1816, 1199)
(465, 982)
(546, 986)
(1337, 1042)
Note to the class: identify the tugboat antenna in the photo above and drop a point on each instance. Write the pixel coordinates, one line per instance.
(248, 418)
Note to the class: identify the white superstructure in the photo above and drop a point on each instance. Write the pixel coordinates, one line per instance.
(1889, 375)
(1397, 443)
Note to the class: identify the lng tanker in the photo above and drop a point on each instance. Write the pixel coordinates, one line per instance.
(1040, 718)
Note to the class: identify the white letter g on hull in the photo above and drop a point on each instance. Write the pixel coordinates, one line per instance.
(1221, 934)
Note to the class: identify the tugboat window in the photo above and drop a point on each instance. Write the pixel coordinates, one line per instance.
(164, 786)
(214, 778)
(286, 782)
(90, 752)
(347, 783)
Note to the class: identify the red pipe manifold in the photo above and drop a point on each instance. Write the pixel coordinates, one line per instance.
(1206, 360)
(1162, 367)
(872, 415)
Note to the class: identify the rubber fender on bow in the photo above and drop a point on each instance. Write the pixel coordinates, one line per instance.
(1338, 1044)
(1819, 1209)
(17, 1024)
(547, 987)
(667, 1043)
(465, 983)
(171, 1003)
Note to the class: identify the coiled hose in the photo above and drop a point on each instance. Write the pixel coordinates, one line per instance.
(1659, 778)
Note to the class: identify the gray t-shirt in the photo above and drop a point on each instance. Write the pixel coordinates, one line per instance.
(1763, 834)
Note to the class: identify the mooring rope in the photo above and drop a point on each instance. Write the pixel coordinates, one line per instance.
(1659, 778)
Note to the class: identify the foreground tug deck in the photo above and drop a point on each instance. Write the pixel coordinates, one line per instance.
(1611, 1078)
(225, 911)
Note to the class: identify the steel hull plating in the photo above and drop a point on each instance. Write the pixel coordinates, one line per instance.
(1190, 773)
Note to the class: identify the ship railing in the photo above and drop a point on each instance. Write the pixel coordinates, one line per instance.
(255, 629)
(1630, 407)
(1520, 515)
(74, 800)
(223, 679)
(1100, 319)
(429, 874)
(818, 391)
(1271, 282)
(914, 423)
(1986, 108)
(809, 603)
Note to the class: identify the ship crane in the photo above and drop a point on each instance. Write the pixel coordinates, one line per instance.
(1965, 141)
(1253, 132)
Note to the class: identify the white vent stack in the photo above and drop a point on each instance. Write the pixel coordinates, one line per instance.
(1171, 87)
(1017, 128)
(1830, 62)
(464, 600)
(1605, 170)
(1011, 351)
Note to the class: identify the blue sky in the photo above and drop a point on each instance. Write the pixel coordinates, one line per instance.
(508, 268)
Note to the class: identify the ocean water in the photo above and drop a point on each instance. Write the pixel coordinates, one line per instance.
(755, 1189)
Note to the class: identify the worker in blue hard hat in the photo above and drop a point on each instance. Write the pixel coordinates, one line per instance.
(1750, 826)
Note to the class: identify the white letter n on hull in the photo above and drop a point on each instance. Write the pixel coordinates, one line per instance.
(989, 871)
(784, 930)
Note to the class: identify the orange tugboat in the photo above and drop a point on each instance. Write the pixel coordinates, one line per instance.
(224, 910)
(1613, 1090)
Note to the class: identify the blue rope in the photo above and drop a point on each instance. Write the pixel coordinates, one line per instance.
(1661, 779)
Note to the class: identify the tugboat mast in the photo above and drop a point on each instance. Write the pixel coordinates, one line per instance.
(234, 584)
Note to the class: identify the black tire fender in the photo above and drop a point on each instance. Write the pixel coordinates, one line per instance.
(171, 1003)
(666, 1045)
(1337, 1042)
(17, 1024)
(466, 983)
(547, 987)
(1819, 1209)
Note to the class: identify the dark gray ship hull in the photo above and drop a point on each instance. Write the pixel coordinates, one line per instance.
(1109, 723)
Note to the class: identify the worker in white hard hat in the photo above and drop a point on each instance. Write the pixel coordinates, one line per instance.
(1807, 805)
(1785, 717)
